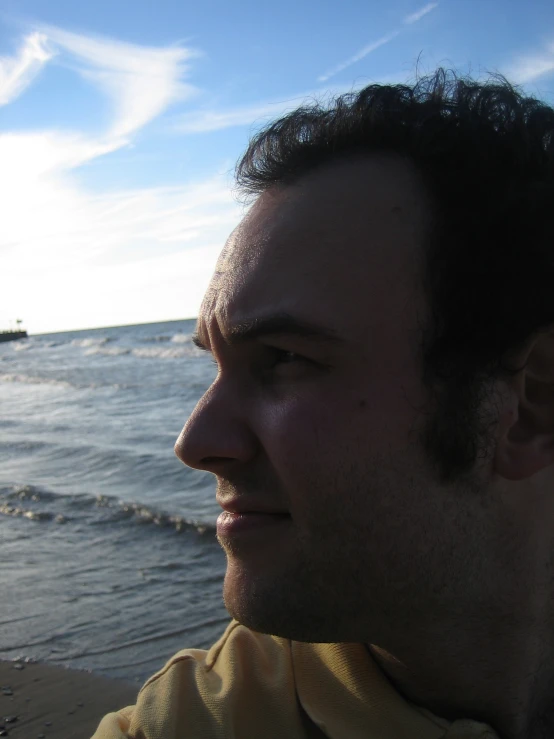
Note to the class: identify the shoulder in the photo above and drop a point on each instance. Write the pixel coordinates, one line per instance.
(200, 693)
(238, 648)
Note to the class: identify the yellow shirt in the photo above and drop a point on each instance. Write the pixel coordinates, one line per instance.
(255, 686)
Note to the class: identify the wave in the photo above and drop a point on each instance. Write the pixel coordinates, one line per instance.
(159, 352)
(90, 342)
(148, 339)
(37, 342)
(8, 510)
(21, 501)
(32, 380)
(108, 351)
(179, 338)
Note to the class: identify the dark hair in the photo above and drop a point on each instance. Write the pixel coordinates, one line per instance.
(486, 154)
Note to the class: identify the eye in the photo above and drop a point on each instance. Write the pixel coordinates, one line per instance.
(281, 356)
(272, 357)
(277, 356)
(280, 364)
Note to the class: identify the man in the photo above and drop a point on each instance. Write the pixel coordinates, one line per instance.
(381, 429)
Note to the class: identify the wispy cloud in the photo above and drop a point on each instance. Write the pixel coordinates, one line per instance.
(16, 73)
(203, 121)
(528, 68)
(140, 81)
(418, 15)
(408, 20)
(359, 55)
(114, 256)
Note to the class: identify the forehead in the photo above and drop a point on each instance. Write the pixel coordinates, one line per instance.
(338, 247)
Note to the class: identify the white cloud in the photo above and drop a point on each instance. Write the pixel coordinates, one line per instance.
(415, 17)
(27, 157)
(16, 73)
(408, 20)
(77, 258)
(154, 289)
(141, 81)
(359, 55)
(528, 68)
(203, 121)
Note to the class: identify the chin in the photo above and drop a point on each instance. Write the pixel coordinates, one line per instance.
(277, 610)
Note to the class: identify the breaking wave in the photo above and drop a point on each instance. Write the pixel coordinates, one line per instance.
(31, 380)
(109, 351)
(90, 342)
(160, 352)
(38, 504)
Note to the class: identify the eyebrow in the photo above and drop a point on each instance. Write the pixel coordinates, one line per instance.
(278, 324)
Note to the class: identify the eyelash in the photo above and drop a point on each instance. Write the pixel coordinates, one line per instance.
(277, 354)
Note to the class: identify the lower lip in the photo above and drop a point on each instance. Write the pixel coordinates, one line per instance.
(237, 523)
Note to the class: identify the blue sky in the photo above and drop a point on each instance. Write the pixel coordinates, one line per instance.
(121, 122)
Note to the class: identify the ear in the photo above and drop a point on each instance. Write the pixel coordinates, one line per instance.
(525, 436)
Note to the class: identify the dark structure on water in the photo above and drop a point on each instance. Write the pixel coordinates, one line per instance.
(12, 335)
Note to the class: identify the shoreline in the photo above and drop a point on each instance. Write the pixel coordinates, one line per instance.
(53, 701)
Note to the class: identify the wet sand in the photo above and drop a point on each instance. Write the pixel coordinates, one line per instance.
(39, 700)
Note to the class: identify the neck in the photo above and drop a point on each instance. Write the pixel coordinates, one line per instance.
(505, 683)
(485, 649)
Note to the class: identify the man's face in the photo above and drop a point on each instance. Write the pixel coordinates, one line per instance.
(323, 426)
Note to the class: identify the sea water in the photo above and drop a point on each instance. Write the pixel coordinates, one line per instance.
(108, 549)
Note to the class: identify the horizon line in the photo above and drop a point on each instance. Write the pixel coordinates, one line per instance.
(117, 325)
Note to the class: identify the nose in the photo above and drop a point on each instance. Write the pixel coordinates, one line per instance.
(217, 434)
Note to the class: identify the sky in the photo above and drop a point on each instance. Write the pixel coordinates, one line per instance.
(121, 124)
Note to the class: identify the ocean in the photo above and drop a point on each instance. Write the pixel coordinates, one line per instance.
(109, 557)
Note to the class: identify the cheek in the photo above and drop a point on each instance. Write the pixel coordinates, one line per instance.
(299, 442)
(323, 458)
(317, 429)
(311, 441)
(298, 427)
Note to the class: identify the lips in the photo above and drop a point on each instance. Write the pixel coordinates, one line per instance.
(231, 524)
(249, 506)
(245, 516)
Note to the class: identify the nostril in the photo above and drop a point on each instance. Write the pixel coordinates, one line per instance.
(213, 460)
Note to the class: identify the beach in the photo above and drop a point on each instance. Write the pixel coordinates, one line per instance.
(41, 700)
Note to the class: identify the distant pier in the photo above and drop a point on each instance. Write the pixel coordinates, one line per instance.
(12, 335)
